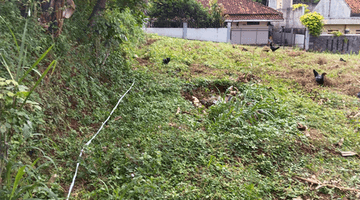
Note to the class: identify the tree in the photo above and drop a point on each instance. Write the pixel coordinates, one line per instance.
(190, 11)
(136, 6)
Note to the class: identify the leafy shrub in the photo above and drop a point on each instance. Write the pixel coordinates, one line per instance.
(337, 33)
(190, 11)
(299, 5)
(313, 21)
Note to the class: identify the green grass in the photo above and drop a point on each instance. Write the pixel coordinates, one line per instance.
(248, 148)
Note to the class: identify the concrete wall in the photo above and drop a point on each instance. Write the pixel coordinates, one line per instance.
(236, 25)
(299, 40)
(292, 37)
(333, 9)
(273, 4)
(250, 36)
(280, 4)
(207, 34)
(341, 28)
(241, 33)
(171, 32)
(342, 44)
(291, 18)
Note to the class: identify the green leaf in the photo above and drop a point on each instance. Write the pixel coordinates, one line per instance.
(19, 175)
(36, 63)
(39, 80)
(22, 94)
(26, 131)
(10, 94)
(23, 88)
(22, 55)
(17, 46)
(2, 128)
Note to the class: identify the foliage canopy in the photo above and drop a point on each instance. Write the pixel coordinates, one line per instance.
(189, 11)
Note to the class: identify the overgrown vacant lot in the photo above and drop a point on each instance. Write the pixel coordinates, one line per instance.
(250, 147)
(217, 122)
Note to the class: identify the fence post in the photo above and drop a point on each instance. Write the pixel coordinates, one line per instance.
(256, 36)
(184, 30)
(228, 32)
(240, 35)
(291, 37)
(307, 39)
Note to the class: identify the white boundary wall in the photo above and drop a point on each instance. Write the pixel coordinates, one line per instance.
(207, 34)
(171, 32)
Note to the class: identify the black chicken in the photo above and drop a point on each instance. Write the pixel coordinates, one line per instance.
(341, 59)
(319, 78)
(166, 61)
(358, 94)
(273, 48)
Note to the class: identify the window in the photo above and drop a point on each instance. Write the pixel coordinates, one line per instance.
(253, 23)
(330, 31)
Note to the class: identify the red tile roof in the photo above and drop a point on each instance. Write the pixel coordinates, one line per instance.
(247, 10)
(255, 17)
(354, 5)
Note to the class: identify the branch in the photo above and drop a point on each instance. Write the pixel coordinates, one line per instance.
(320, 185)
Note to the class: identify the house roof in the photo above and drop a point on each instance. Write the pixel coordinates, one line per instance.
(247, 10)
(354, 5)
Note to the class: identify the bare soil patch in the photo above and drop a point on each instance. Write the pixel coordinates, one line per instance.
(344, 83)
(143, 61)
(150, 41)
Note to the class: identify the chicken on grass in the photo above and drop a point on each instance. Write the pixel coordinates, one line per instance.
(273, 48)
(319, 78)
(166, 60)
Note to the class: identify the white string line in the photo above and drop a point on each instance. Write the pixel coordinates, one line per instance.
(87, 144)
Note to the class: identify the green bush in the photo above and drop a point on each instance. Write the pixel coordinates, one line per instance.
(337, 33)
(190, 11)
(313, 21)
(299, 5)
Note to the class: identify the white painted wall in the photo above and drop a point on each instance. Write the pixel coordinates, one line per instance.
(250, 36)
(299, 40)
(207, 34)
(170, 32)
(333, 9)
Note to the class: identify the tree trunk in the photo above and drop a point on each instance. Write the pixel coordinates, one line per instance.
(53, 14)
(99, 6)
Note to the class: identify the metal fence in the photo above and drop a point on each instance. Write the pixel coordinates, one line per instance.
(292, 37)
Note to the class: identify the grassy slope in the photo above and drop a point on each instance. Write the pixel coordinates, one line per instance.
(325, 110)
(248, 148)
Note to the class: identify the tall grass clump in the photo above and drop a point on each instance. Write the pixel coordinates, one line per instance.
(17, 119)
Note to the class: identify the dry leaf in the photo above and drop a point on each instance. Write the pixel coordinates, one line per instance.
(297, 198)
(172, 124)
(178, 111)
(340, 143)
(196, 102)
(53, 178)
(347, 153)
(117, 118)
(301, 127)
